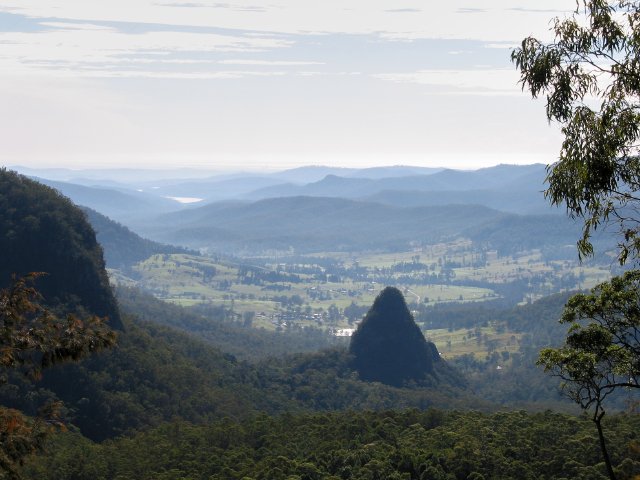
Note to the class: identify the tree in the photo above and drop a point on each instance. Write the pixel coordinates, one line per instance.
(32, 339)
(353, 312)
(601, 353)
(590, 76)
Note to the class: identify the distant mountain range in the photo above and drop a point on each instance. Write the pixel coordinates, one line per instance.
(139, 177)
(214, 189)
(516, 189)
(315, 224)
(512, 188)
(127, 206)
(315, 173)
(315, 208)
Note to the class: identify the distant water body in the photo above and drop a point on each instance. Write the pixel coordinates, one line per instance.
(186, 199)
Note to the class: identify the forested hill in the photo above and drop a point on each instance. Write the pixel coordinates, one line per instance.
(43, 231)
(309, 224)
(157, 374)
(513, 233)
(122, 247)
(389, 347)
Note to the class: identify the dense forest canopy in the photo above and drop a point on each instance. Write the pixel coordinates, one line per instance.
(384, 445)
(389, 347)
(42, 231)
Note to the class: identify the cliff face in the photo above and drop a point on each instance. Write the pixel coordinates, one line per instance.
(42, 231)
(388, 346)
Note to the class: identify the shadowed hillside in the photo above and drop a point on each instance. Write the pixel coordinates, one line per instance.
(122, 247)
(42, 231)
(389, 347)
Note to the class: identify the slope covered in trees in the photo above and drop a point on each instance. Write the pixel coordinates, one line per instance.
(122, 247)
(42, 231)
(218, 330)
(157, 374)
(389, 347)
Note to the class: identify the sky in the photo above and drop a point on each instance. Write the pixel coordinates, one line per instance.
(254, 84)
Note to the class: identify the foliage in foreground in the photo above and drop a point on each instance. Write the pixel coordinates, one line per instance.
(354, 445)
(601, 355)
(602, 350)
(31, 340)
(593, 56)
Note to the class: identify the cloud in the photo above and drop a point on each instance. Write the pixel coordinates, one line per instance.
(327, 74)
(76, 26)
(404, 10)
(278, 63)
(538, 10)
(493, 20)
(479, 81)
(472, 10)
(91, 50)
(222, 75)
(186, 39)
(236, 7)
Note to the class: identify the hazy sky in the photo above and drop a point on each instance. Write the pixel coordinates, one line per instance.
(277, 83)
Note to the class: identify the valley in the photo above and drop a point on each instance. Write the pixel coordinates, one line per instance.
(263, 325)
(305, 263)
(332, 291)
(320, 240)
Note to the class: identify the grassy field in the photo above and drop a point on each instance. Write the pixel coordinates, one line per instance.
(476, 342)
(189, 279)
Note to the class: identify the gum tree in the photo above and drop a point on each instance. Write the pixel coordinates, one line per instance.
(601, 353)
(590, 77)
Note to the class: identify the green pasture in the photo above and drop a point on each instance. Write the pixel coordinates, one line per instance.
(447, 293)
(496, 270)
(191, 279)
(455, 343)
(180, 279)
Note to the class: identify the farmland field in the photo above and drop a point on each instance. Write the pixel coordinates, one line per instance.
(333, 290)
